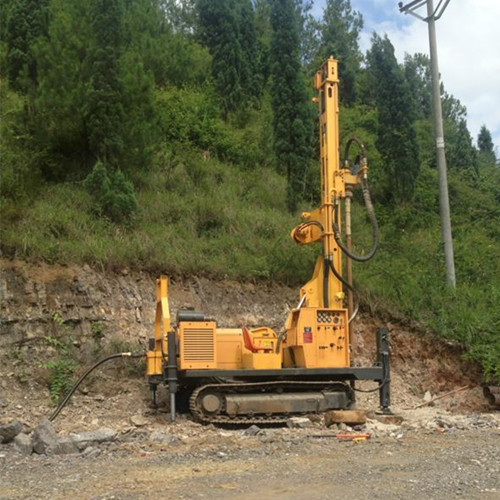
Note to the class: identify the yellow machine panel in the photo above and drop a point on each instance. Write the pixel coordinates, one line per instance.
(154, 363)
(229, 346)
(261, 360)
(260, 349)
(197, 345)
(318, 338)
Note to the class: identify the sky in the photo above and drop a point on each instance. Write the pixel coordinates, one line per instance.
(468, 40)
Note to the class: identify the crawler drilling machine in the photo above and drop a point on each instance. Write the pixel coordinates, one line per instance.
(255, 375)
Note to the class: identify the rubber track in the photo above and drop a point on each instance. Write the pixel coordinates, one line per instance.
(199, 416)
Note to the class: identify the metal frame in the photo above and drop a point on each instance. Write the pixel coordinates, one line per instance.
(362, 373)
(379, 373)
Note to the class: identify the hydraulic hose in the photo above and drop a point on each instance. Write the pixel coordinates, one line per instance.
(348, 145)
(375, 231)
(368, 204)
(281, 336)
(347, 285)
(66, 399)
(385, 381)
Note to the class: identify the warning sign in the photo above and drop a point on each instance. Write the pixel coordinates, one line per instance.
(308, 335)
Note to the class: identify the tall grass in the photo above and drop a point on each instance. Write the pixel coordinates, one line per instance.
(194, 216)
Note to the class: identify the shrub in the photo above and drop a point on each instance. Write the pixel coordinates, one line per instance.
(113, 194)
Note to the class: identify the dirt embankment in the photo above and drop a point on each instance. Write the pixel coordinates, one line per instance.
(92, 312)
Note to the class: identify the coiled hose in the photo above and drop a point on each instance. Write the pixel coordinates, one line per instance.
(66, 399)
(368, 204)
(375, 230)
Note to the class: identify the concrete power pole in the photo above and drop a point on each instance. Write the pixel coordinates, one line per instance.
(444, 205)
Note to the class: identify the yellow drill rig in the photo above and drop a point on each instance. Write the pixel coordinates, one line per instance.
(255, 375)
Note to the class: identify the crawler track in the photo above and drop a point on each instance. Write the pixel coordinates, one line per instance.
(258, 387)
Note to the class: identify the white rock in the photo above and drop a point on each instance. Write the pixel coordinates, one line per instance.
(139, 420)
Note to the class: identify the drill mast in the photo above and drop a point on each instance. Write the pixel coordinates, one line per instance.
(325, 289)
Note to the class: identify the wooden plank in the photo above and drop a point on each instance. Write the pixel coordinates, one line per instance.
(350, 417)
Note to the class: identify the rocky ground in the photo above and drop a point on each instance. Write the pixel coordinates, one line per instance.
(430, 454)
(109, 442)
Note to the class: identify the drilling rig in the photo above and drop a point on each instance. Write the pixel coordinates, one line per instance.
(255, 375)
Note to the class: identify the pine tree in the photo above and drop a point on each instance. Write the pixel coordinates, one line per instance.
(251, 79)
(104, 111)
(461, 152)
(219, 32)
(339, 34)
(418, 75)
(292, 115)
(308, 33)
(396, 137)
(63, 73)
(485, 145)
(27, 21)
(264, 33)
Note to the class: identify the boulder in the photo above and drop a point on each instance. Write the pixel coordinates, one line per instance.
(253, 430)
(163, 437)
(139, 420)
(23, 444)
(45, 438)
(350, 417)
(83, 440)
(10, 430)
(66, 446)
(91, 452)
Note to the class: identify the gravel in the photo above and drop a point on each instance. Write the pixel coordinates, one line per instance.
(188, 461)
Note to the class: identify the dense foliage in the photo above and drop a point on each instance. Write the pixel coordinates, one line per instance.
(292, 115)
(177, 136)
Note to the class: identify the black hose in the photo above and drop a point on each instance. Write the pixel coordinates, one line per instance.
(385, 381)
(66, 399)
(375, 231)
(281, 336)
(339, 277)
(347, 285)
(360, 145)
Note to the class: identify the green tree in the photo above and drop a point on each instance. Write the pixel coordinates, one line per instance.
(27, 21)
(292, 114)
(485, 146)
(63, 72)
(264, 33)
(219, 32)
(251, 79)
(308, 33)
(418, 75)
(396, 136)
(339, 33)
(104, 110)
(461, 152)
(113, 195)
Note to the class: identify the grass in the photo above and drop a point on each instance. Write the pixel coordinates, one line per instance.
(195, 216)
(407, 277)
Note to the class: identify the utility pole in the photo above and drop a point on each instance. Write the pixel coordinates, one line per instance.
(444, 204)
